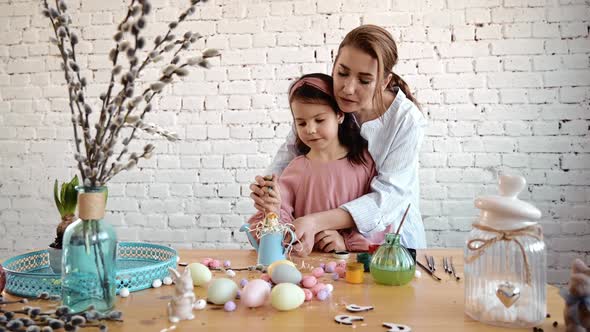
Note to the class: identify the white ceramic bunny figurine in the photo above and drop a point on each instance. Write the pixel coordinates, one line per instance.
(181, 306)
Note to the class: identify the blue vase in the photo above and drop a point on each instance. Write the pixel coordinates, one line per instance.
(89, 252)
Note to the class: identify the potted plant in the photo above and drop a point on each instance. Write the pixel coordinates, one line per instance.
(66, 200)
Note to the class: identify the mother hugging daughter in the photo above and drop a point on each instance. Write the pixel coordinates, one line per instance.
(350, 167)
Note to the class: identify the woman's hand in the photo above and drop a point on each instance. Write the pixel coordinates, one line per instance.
(266, 194)
(329, 240)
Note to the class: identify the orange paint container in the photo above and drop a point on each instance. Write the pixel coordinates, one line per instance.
(355, 273)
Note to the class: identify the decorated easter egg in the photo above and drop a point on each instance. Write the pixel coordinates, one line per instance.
(222, 290)
(124, 292)
(318, 287)
(286, 296)
(308, 294)
(230, 306)
(255, 293)
(330, 267)
(215, 264)
(200, 274)
(277, 263)
(285, 273)
(317, 272)
(323, 295)
(200, 304)
(309, 281)
(2, 279)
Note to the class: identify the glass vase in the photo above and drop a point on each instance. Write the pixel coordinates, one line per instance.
(89, 251)
(392, 263)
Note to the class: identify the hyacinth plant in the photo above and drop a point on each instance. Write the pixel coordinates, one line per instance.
(66, 201)
(99, 155)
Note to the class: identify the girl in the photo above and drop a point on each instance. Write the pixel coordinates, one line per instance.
(333, 168)
(366, 86)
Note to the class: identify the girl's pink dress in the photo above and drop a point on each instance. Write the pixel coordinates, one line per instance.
(309, 186)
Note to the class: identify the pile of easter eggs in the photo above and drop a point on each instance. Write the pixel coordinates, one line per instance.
(283, 285)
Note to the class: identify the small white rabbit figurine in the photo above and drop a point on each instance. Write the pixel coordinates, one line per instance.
(181, 306)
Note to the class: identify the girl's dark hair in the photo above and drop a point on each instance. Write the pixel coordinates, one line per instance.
(349, 133)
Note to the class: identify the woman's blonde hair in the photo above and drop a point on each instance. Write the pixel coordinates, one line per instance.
(379, 44)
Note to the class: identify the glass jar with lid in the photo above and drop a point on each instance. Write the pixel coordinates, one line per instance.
(505, 260)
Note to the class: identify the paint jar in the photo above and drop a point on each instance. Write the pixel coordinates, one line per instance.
(354, 273)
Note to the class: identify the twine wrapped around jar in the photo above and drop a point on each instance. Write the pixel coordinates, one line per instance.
(534, 231)
(91, 206)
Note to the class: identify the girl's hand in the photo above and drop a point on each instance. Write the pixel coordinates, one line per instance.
(329, 240)
(266, 199)
(305, 230)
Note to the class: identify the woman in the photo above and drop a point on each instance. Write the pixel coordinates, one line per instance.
(393, 125)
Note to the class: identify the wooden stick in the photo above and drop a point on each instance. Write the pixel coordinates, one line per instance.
(403, 219)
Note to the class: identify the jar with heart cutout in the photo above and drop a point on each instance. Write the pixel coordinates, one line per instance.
(505, 260)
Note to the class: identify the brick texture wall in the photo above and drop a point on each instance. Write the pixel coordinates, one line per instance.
(506, 84)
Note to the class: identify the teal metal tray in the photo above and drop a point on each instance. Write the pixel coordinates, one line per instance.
(138, 265)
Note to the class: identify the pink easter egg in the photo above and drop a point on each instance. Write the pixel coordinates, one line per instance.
(341, 271)
(330, 267)
(206, 261)
(318, 287)
(265, 277)
(317, 272)
(308, 294)
(215, 264)
(255, 293)
(309, 281)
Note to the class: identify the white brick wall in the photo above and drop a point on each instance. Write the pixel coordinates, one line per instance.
(506, 85)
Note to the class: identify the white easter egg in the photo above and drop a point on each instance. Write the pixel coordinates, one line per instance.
(167, 281)
(222, 290)
(255, 293)
(200, 304)
(157, 283)
(199, 273)
(230, 273)
(124, 292)
(286, 296)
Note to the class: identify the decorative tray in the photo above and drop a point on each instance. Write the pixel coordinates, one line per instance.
(138, 265)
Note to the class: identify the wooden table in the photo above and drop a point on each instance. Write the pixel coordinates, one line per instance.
(424, 304)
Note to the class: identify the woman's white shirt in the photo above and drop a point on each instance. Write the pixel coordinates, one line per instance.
(394, 141)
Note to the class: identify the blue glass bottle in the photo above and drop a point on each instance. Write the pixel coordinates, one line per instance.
(89, 251)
